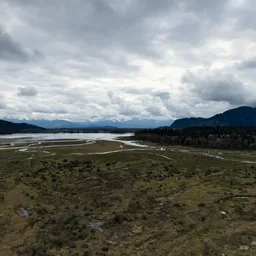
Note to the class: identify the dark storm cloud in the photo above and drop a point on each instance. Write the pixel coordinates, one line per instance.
(27, 91)
(9, 48)
(214, 86)
(132, 27)
(94, 24)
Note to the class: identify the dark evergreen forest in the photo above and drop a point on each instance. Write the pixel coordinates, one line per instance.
(207, 137)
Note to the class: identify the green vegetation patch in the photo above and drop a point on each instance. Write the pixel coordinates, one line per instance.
(125, 203)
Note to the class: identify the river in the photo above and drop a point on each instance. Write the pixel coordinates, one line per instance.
(15, 139)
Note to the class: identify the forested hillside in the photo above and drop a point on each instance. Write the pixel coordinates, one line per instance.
(9, 128)
(238, 117)
(208, 137)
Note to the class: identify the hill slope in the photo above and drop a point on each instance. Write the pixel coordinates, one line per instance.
(9, 128)
(242, 116)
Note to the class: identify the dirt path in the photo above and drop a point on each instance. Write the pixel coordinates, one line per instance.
(166, 157)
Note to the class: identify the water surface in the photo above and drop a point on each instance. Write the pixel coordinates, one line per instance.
(63, 136)
(24, 137)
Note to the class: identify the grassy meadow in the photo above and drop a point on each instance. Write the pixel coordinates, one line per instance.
(64, 201)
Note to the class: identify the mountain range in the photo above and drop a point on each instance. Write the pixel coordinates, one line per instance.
(9, 128)
(242, 116)
(55, 124)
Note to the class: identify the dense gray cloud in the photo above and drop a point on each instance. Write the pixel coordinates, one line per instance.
(12, 50)
(9, 49)
(27, 91)
(122, 59)
(2, 105)
(215, 87)
(247, 64)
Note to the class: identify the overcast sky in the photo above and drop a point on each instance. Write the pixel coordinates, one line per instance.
(103, 59)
